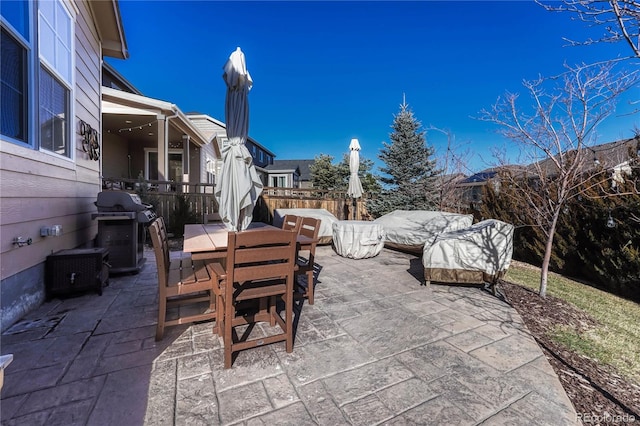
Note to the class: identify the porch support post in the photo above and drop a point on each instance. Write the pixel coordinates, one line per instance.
(163, 149)
(186, 140)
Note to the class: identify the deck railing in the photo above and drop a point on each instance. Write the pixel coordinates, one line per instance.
(175, 200)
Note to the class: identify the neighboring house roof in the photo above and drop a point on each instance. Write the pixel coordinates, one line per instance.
(606, 156)
(106, 15)
(112, 78)
(195, 116)
(282, 168)
(452, 178)
(479, 177)
(303, 167)
(612, 155)
(122, 104)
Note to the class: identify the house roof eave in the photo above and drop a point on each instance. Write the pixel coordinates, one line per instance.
(106, 15)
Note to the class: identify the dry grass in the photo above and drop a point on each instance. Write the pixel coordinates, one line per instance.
(615, 341)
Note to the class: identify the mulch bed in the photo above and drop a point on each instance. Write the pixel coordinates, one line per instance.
(598, 394)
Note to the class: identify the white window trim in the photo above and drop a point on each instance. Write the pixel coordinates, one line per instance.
(277, 176)
(31, 96)
(69, 85)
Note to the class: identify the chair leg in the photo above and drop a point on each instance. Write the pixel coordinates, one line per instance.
(272, 311)
(162, 315)
(310, 289)
(229, 313)
(219, 316)
(288, 308)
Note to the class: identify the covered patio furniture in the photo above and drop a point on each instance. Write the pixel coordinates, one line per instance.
(181, 281)
(412, 230)
(327, 219)
(358, 239)
(259, 271)
(476, 255)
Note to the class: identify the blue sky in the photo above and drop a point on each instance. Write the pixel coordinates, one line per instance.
(327, 72)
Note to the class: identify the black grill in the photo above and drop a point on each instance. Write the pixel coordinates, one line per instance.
(122, 217)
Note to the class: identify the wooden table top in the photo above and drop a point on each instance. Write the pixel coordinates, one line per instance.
(212, 237)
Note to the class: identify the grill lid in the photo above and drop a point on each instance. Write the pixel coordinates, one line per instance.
(120, 201)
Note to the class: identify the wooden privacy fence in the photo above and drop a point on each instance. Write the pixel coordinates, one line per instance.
(336, 202)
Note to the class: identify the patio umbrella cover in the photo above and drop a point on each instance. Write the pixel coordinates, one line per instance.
(355, 187)
(240, 185)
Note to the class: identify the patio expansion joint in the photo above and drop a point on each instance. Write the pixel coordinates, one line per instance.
(505, 407)
(273, 405)
(375, 393)
(242, 384)
(481, 346)
(409, 408)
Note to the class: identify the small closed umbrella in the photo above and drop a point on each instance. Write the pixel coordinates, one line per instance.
(240, 186)
(355, 187)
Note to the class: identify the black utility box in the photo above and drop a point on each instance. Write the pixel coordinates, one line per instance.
(77, 270)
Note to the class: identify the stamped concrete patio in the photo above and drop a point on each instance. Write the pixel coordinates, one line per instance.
(376, 348)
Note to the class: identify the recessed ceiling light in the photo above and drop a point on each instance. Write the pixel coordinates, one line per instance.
(127, 121)
(150, 133)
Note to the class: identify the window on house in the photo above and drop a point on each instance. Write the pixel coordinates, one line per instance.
(224, 142)
(54, 110)
(211, 170)
(279, 181)
(51, 62)
(16, 49)
(14, 88)
(54, 42)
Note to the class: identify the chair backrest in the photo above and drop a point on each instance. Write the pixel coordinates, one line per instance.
(159, 238)
(260, 255)
(291, 222)
(309, 227)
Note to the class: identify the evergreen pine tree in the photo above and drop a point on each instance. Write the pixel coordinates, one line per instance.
(324, 175)
(410, 170)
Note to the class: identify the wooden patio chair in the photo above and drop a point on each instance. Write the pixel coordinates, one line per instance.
(259, 269)
(291, 222)
(309, 227)
(180, 282)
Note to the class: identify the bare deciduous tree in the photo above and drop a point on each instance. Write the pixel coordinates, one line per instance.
(620, 20)
(454, 164)
(554, 137)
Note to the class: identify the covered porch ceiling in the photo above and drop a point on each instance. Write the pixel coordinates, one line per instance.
(138, 117)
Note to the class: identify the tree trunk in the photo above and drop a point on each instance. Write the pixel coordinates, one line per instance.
(546, 260)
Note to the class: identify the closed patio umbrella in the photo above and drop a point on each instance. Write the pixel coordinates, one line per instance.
(240, 185)
(355, 187)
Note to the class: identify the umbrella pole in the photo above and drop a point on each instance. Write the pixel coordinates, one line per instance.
(355, 206)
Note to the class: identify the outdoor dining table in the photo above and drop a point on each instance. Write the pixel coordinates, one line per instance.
(209, 241)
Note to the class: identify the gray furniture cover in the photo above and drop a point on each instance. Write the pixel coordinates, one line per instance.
(478, 254)
(358, 239)
(411, 230)
(327, 219)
